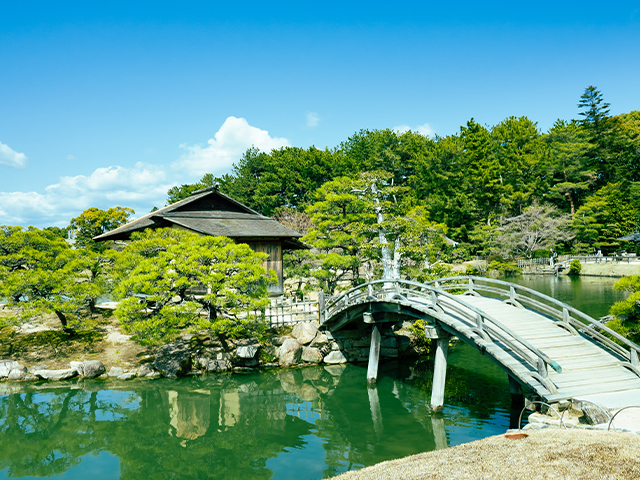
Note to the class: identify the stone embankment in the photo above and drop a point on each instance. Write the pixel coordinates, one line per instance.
(193, 354)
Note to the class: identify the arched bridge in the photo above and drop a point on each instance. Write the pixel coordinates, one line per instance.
(546, 346)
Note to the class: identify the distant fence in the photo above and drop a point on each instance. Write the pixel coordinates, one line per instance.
(530, 262)
(284, 311)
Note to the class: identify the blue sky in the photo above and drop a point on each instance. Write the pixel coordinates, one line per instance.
(111, 103)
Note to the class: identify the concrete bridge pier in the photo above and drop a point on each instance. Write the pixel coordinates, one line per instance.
(517, 402)
(374, 350)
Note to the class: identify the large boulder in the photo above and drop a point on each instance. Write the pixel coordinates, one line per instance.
(17, 373)
(89, 368)
(290, 352)
(311, 355)
(305, 332)
(6, 366)
(63, 374)
(335, 357)
(247, 356)
(173, 360)
(213, 364)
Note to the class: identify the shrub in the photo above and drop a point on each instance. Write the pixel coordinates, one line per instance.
(575, 267)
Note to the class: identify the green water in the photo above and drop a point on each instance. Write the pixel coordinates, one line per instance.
(591, 295)
(305, 423)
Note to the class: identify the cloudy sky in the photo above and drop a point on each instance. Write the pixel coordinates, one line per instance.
(109, 103)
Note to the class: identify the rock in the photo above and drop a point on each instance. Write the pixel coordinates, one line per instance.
(404, 342)
(390, 342)
(173, 360)
(311, 355)
(335, 357)
(89, 368)
(320, 340)
(213, 365)
(35, 368)
(279, 340)
(56, 374)
(126, 376)
(305, 332)
(247, 352)
(152, 375)
(17, 373)
(115, 371)
(6, 366)
(144, 370)
(246, 356)
(93, 368)
(290, 352)
(388, 352)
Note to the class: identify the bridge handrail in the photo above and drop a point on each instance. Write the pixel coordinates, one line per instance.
(563, 314)
(396, 287)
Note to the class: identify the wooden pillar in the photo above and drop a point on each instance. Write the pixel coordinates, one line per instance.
(439, 373)
(374, 356)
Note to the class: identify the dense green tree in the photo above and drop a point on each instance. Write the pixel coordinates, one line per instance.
(522, 158)
(183, 191)
(40, 273)
(367, 225)
(156, 276)
(94, 221)
(626, 313)
(601, 132)
(613, 211)
(572, 179)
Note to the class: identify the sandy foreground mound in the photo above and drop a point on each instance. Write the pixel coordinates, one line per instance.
(545, 454)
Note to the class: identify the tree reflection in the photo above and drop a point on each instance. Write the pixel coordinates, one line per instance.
(231, 426)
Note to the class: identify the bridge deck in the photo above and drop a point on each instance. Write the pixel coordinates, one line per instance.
(589, 372)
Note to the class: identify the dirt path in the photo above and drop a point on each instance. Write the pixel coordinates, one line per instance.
(41, 341)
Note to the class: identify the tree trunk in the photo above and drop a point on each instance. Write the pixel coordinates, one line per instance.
(63, 321)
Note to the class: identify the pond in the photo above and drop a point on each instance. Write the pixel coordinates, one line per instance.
(305, 423)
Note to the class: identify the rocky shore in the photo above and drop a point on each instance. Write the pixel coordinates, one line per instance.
(194, 354)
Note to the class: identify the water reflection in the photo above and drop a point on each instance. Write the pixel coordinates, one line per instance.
(299, 423)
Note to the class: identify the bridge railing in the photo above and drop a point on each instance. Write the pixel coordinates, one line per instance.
(433, 298)
(568, 317)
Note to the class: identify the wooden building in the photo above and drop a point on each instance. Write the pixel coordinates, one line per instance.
(209, 212)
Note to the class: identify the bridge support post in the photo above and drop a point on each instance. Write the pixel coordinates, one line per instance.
(374, 356)
(517, 402)
(439, 373)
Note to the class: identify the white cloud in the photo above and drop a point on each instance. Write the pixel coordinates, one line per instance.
(424, 129)
(312, 119)
(229, 143)
(140, 188)
(12, 158)
(71, 157)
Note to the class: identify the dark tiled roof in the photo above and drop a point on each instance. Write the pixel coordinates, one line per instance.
(211, 213)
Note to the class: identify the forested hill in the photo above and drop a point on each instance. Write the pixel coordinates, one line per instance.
(588, 168)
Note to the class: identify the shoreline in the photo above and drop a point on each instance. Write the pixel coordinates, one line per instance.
(570, 454)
